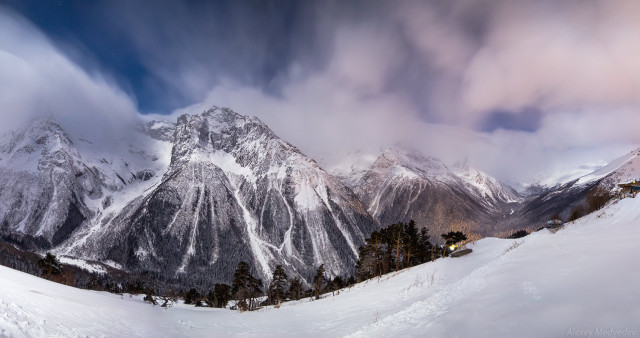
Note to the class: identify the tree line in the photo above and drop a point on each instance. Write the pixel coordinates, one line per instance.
(392, 248)
(249, 293)
(400, 246)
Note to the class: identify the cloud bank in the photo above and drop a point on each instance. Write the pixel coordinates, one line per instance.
(38, 81)
(521, 89)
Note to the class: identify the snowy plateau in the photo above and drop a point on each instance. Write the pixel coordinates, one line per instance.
(581, 279)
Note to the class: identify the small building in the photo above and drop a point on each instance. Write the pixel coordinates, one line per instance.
(554, 223)
(630, 188)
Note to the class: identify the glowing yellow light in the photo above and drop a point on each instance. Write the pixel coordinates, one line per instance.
(453, 247)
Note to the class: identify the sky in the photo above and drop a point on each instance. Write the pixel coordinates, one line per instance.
(522, 89)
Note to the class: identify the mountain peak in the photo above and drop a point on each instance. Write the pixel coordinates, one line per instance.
(414, 161)
(22, 150)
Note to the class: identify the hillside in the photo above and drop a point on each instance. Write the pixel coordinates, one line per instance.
(584, 277)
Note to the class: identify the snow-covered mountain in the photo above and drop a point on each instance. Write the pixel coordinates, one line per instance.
(233, 191)
(625, 168)
(43, 184)
(196, 196)
(485, 186)
(201, 194)
(404, 184)
(51, 183)
(543, 202)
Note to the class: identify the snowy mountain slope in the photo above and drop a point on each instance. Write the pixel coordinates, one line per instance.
(542, 285)
(404, 184)
(485, 186)
(43, 184)
(54, 184)
(551, 180)
(350, 166)
(625, 168)
(560, 199)
(621, 170)
(234, 191)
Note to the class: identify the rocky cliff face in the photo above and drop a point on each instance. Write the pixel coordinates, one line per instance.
(404, 184)
(43, 186)
(234, 191)
(53, 185)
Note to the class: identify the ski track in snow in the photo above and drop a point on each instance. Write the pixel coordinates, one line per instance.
(445, 299)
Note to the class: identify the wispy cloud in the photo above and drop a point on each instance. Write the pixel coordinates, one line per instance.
(38, 81)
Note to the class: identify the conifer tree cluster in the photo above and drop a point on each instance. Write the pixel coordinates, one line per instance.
(245, 287)
(50, 265)
(318, 281)
(277, 288)
(452, 238)
(393, 248)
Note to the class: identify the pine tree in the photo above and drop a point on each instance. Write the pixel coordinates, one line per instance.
(278, 285)
(338, 282)
(329, 287)
(318, 281)
(295, 289)
(453, 237)
(412, 242)
(221, 295)
(50, 265)
(366, 264)
(398, 243)
(255, 290)
(210, 298)
(386, 245)
(240, 285)
(192, 296)
(424, 252)
(245, 287)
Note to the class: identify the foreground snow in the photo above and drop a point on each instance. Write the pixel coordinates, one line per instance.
(584, 277)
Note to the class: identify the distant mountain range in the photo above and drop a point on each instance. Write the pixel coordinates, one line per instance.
(196, 196)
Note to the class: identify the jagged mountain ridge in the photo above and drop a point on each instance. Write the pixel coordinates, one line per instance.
(561, 199)
(234, 191)
(43, 184)
(403, 184)
(184, 197)
(53, 183)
